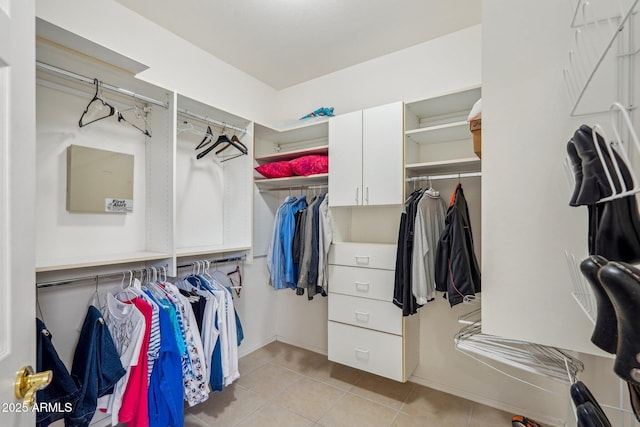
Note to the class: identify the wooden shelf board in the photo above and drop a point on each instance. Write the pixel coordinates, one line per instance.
(211, 249)
(289, 155)
(53, 264)
(322, 178)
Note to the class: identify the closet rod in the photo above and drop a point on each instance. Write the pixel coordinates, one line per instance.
(300, 187)
(216, 261)
(107, 86)
(91, 279)
(217, 123)
(449, 176)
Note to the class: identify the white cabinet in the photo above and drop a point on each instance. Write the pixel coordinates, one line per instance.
(365, 157)
(366, 330)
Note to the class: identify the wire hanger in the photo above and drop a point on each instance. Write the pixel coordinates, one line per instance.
(139, 115)
(102, 103)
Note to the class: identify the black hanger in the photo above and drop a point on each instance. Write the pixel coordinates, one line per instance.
(206, 139)
(95, 98)
(121, 118)
(235, 139)
(221, 140)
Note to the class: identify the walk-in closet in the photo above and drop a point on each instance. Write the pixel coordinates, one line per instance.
(354, 214)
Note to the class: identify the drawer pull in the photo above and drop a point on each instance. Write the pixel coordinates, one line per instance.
(362, 354)
(362, 259)
(362, 316)
(362, 286)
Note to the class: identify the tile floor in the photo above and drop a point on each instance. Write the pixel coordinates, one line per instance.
(286, 386)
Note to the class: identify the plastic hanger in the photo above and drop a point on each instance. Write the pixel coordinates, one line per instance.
(206, 140)
(235, 139)
(221, 140)
(140, 115)
(101, 103)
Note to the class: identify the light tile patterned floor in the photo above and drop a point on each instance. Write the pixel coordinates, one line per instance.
(285, 386)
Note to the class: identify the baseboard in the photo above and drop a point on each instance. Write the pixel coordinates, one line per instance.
(295, 343)
(545, 419)
(248, 350)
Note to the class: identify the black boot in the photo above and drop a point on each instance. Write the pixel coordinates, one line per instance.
(618, 230)
(576, 165)
(622, 284)
(605, 332)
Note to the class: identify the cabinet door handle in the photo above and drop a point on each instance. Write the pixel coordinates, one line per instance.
(362, 354)
(366, 194)
(357, 195)
(364, 258)
(362, 316)
(362, 286)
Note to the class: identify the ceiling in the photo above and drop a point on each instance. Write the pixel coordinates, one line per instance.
(285, 42)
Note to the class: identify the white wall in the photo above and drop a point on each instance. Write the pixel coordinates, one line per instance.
(428, 69)
(527, 222)
(173, 63)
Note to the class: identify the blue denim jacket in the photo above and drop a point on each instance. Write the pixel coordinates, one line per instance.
(62, 390)
(96, 367)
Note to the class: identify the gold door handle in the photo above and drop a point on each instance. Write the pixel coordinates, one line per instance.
(28, 382)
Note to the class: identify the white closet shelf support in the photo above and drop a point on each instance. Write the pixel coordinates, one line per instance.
(210, 249)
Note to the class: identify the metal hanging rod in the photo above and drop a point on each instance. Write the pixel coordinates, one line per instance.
(300, 187)
(449, 176)
(185, 112)
(92, 279)
(103, 85)
(241, 258)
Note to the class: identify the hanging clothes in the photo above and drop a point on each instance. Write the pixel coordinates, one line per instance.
(402, 291)
(96, 367)
(457, 271)
(62, 392)
(298, 252)
(429, 223)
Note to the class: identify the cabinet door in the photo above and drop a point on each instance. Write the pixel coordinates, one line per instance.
(382, 152)
(345, 159)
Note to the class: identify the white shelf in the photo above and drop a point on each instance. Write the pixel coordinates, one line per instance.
(304, 132)
(53, 264)
(438, 163)
(289, 155)
(446, 104)
(212, 249)
(456, 131)
(293, 181)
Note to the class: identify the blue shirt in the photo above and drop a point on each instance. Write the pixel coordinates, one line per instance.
(286, 234)
(275, 257)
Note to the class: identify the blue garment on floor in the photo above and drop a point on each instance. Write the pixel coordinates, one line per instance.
(62, 390)
(96, 367)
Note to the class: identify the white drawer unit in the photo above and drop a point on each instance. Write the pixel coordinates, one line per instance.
(368, 350)
(365, 312)
(366, 330)
(369, 255)
(362, 282)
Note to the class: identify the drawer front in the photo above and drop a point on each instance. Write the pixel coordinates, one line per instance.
(361, 282)
(368, 255)
(368, 350)
(367, 313)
